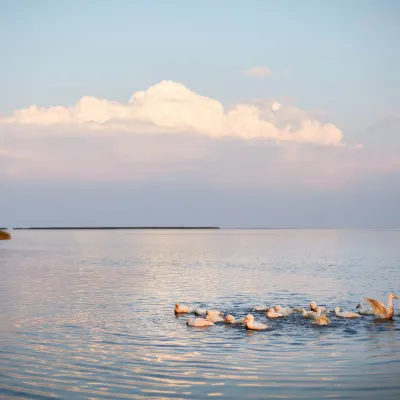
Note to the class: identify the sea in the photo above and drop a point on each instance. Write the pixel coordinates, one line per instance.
(89, 314)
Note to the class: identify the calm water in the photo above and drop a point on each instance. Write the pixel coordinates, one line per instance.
(89, 314)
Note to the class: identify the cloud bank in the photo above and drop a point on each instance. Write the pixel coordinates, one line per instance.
(169, 133)
(169, 107)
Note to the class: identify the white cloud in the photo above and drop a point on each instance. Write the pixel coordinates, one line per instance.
(170, 107)
(257, 72)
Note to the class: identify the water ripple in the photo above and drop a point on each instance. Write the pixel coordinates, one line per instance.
(90, 315)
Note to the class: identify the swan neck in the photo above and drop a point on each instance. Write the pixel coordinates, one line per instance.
(390, 301)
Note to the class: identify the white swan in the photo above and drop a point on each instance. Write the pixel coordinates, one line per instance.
(379, 308)
(308, 314)
(253, 325)
(260, 308)
(364, 311)
(199, 322)
(284, 310)
(213, 316)
(313, 306)
(230, 319)
(215, 312)
(271, 313)
(199, 311)
(312, 314)
(182, 309)
(346, 314)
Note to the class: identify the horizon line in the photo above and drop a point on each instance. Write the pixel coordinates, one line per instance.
(207, 227)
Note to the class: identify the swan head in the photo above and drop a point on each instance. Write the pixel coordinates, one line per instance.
(393, 296)
(337, 309)
(313, 305)
(278, 308)
(230, 318)
(359, 305)
(271, 309)
(248, 318)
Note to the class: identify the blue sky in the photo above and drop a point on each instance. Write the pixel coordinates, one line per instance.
(327, 63)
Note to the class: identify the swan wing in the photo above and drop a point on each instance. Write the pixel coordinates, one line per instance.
(260, 326)
(378, 307)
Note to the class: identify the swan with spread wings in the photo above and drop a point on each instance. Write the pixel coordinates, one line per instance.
(379, 308)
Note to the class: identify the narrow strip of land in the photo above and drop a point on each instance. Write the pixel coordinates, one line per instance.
(113, 227)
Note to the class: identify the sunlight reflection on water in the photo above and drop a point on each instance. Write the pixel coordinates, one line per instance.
(90, 314)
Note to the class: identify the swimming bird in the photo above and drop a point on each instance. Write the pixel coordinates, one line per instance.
(284, 310)
(199, 311)
(313, 306)
(216, 312)
(379, 308)
(364, 311)
(253, 325)
(312, 314)
(345, 314)
(260, 308)
(182, 309)
(271, 313)
(308, 314)
(213, 316)
(199, 322)
(230, 319)
(321, 320)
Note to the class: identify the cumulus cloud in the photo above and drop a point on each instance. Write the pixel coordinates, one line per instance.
(169, 107)
(170, 133)
(257, 72)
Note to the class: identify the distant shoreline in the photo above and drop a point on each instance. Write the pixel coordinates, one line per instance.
(115, 227)
(190, 228)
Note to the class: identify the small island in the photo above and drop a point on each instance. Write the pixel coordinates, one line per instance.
(4, 235)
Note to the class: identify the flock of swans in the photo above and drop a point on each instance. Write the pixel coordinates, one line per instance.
(318, 314)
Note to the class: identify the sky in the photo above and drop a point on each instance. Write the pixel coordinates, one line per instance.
(229, 113)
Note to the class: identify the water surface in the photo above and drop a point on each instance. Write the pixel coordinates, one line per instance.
(89, 314)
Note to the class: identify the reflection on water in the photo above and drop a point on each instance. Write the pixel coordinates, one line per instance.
(89, 314)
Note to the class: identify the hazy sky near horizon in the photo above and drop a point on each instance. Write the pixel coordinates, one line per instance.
(232, 113)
